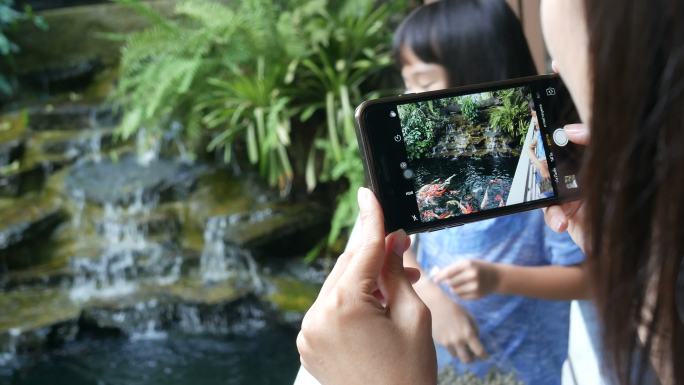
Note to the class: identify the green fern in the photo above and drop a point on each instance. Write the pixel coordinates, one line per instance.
(512, 115)
(9, 17)
(249, 73)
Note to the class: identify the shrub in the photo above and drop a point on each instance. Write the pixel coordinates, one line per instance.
(252, 74)
(418, 129)
(8, 18)
(469, 109)
(512, 115)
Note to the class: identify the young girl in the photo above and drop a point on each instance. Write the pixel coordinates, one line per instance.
(497, 289)
(622, 62)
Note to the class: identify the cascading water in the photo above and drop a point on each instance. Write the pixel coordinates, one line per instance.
(213, 263)
(9, 350)
(127, 256)
(220, 261)
(148, 146)
(111, 245)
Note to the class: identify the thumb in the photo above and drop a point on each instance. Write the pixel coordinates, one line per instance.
(577, 133)
(367, 259)
(397, 287)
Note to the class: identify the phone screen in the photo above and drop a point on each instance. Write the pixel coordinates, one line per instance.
(478, 153)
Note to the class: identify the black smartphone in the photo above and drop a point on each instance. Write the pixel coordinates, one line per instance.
(445, 158)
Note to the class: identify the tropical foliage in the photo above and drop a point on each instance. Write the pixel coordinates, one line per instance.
(9, 17)
(418, 129)
(512, 113)
(470, 109)
(421, 123)
(273, 80)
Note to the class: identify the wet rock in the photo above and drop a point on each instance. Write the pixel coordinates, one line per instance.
(20, 178)
(68, 77)
(292, 297)
(26, 228)
(250, 218)
(34, 319)
(22, 341)
(12, 135)
(269, 230)
(75, 35)
(161, 313)
(70, 116)
(120, 181)
(71, 145)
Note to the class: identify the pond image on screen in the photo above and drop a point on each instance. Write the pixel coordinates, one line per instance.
(474, 152)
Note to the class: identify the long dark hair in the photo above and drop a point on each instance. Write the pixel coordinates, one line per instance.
(634, 182)
(474, 40)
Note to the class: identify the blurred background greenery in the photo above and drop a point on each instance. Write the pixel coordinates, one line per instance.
(275, 82)
(176, 178)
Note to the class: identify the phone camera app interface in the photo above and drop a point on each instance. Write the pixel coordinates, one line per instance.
(477, 152)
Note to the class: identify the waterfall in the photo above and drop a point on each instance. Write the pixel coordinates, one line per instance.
(126, 257)
(220, 261)
(79, 200)
(151, 332)
(8, 352)
(148, 147)
(213, 263)
(490, 143)
(94, 145)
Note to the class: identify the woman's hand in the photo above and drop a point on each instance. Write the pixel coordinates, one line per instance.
(455, 329)
(470, 279)
(368, 325)
(569, 216)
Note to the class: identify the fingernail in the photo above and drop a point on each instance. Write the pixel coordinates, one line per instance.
(574, 128)
(558, 224)
(399, 242)
(363, 196)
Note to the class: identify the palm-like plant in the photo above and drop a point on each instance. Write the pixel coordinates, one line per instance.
(256, 73)
(512, 115)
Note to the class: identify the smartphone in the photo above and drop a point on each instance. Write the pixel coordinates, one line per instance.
(444, 158)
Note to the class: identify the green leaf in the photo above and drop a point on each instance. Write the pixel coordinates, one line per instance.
(307, 113)
(310, 173)
(252, 150)
(332, 125)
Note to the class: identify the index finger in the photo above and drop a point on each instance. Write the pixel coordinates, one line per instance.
(477, 348)
(577, 133)
(450, 271)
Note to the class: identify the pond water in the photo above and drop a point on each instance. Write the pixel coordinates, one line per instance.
(469, 179)
(268, 356)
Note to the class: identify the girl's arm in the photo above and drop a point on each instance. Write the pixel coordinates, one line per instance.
(474, 279)
(545, 282)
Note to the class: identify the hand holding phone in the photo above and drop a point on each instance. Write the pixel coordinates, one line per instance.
(444, 158)
(568, 216)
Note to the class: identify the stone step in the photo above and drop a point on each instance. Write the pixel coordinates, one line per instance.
(70, 116)
(26, 223)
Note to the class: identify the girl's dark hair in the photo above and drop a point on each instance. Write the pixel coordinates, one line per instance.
(474, 40)
(634, 182)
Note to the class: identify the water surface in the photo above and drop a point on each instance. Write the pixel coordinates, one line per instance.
(269, 356)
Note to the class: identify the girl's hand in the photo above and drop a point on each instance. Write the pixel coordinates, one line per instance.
(368, 325)
(455, 329)
(470, 279)
(569, 216)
